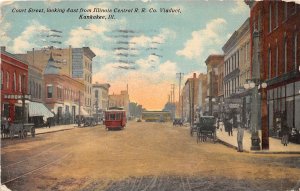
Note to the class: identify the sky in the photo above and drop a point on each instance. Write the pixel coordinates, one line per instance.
(142, 49)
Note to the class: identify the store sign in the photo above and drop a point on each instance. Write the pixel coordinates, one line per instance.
(17, 96)
(234, 106)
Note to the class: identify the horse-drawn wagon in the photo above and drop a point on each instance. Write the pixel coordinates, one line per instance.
(206, 128)
(17, 129)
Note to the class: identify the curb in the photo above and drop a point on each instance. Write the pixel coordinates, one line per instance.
(258, 152)
(54, 131)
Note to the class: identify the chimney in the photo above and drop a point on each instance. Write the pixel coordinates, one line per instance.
(194, 75)
(3, 48)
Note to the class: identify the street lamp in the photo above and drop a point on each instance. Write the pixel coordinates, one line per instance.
(255, 85)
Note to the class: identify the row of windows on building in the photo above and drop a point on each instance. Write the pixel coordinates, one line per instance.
(61, 93)
(285, 55)
(231, 86)
(9, 82)
(288, 9)
(241, 56)
(88, 78)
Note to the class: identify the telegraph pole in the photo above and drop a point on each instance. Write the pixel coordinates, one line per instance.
(172, 92)
(180, 76)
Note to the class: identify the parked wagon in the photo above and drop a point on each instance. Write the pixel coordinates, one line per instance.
(21, 130)
(206, 128)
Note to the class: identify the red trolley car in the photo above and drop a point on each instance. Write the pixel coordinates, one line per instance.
(115, 119)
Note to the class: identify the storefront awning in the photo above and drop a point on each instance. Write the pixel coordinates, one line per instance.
(83, 112)
(39, 109)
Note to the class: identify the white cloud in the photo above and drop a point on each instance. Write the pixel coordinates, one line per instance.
(202, 39)
(99, 52)
(153, 41)
(86, 36)
(27, 40)
(4, 37)
(239, 7)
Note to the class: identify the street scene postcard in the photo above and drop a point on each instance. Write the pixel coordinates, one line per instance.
(150, 95)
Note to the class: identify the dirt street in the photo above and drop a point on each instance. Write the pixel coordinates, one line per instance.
(143, 156)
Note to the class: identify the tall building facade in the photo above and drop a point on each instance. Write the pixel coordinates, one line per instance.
(278, 26)
(237, 72)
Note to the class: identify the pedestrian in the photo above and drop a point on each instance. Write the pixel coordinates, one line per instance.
(240, 136)
(49, 122)
(230, 123)
(285, 133)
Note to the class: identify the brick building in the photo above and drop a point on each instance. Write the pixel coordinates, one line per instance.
(120, 100)
(212, 63)
(63, 95)
(14, 79)
(278, 24)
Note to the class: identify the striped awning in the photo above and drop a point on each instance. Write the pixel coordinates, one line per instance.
(39, 109)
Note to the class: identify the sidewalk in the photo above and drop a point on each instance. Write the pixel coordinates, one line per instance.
(56, 128)
(275, 144)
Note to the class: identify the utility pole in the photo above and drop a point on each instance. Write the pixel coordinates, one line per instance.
(79, 117)
(179, 97)
(172, 92)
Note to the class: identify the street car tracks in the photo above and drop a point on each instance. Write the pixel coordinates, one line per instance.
(38, 168)
(28, 158)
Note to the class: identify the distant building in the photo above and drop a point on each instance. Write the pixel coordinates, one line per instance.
(213, 63)
(120, 100)
(202, 92)
(191, 97)
(100, 98)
